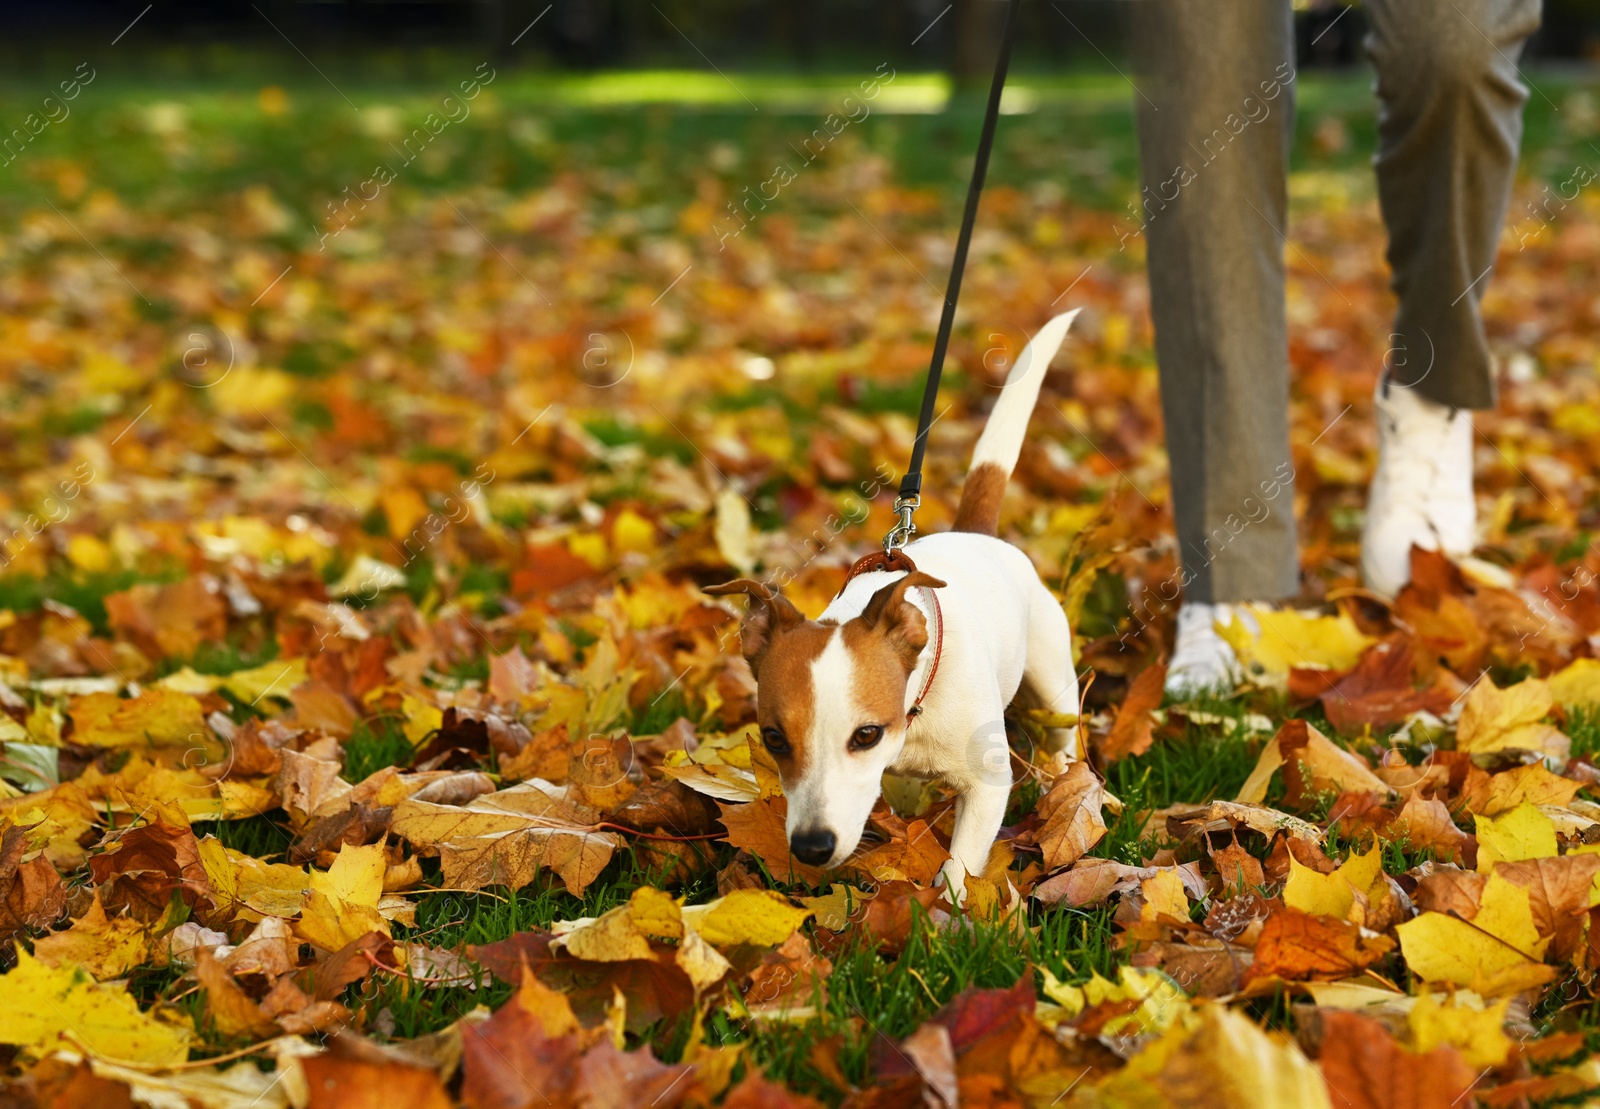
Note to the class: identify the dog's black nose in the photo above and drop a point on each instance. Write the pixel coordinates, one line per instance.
(813, 848)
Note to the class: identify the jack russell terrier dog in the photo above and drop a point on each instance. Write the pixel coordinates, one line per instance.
(865, 688)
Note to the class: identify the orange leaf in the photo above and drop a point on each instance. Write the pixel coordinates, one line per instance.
(1296, 945)
(1134, 729)
(1366, 1069)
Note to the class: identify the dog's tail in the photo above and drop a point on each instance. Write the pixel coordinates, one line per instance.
(996, 453)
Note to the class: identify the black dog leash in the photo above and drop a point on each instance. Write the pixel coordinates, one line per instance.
(910, 496)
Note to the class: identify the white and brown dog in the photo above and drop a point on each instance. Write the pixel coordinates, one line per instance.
(894, 677)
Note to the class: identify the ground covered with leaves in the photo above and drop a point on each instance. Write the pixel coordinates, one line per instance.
(368, 737)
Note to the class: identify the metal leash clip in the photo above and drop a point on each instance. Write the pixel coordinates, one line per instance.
(901, 533)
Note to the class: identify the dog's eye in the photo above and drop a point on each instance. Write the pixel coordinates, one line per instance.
(866, 736)
(774, 741)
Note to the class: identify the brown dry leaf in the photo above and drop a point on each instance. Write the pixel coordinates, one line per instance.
(1379, 690)
(1133, 730)
(1069, 815)
(506, 838)
(1559, 894)
(1425, 824)
(886, 919)
(667, 807)
(1445, 626)
(146, 867)
(512, 1060)
(231, 1010)
(1366, 1069)
(546, 755)
(323, 980)
(1450, 890)
(1093, 880)
(788, 978)
(597, 771)
(1237, 869)
(607, 1076)
(755, 1092)
(1204, 969)
(1312, 763)
(652, 988)
(976, 1031)
(309, 784)
(33, 894)
(1183, 822)
(56, 1084)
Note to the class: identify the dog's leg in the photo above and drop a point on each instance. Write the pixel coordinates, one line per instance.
(1048, 670)
(980, 810)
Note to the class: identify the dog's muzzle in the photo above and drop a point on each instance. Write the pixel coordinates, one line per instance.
(815, 847)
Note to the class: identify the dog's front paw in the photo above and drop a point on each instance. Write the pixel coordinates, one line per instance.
(953, 876)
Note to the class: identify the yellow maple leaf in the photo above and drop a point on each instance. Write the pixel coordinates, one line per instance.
(421, 718)
(765, 768)
(330, 924)
(106, 948)
(1215, 1057)
(48, 1008)
(1333, 894)
(356, 876)
(625, 932)
(656, 914)
(760, 917)
(1496, 953)
(252, 888)
(342, 905)
(631, 532)
(1522, 833)
(270, 678)
(1164, 896)
(1578, 684)
(160, 717)
(1479, 1033)
(1532, 784)
(1505, 911)
(1292, 639)
(1162, 1002)
(1499, 719)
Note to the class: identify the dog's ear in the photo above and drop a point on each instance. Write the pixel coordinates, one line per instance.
(769, 615)
(897, 620)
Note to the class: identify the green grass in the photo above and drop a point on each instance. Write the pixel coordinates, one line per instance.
(373, 745)
(1206, 763)
(866, 994)
(82, 591)
(659, 125)
(1583, 725)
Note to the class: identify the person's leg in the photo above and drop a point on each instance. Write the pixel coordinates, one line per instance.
(1215, 109)
(1449, 132)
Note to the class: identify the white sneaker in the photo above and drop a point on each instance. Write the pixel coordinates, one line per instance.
(1201, 659)
(1422, 491)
